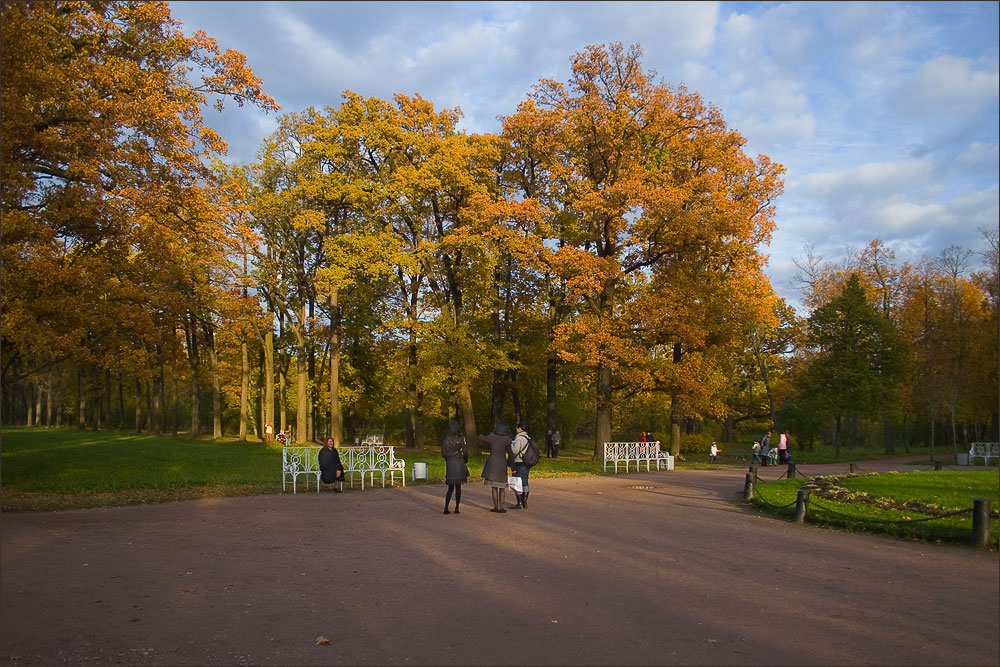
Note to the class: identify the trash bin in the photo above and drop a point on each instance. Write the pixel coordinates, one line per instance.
(962, 458)
(419, 470)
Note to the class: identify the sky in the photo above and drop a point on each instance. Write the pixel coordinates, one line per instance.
(885, 114)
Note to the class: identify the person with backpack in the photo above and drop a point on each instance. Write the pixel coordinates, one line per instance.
(525, 455)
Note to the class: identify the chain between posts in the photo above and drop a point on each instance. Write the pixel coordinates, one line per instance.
(980, 511)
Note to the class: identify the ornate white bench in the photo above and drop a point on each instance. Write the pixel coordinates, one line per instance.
(639, 452)
(985, 450)
(358, 460)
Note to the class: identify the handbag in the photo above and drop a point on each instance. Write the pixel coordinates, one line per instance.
(514, 482)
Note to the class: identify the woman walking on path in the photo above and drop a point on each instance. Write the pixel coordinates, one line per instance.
(495, 470)
(456, 471)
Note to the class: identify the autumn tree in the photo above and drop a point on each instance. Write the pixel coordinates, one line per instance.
(103, 151)
(651, 182)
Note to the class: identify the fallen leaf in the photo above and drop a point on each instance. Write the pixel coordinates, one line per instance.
(322, 641)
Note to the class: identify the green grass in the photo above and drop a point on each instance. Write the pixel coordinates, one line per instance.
(912, 505)
(49, 469)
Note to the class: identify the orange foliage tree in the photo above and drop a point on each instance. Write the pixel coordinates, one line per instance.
(660, 213)
(104, 174)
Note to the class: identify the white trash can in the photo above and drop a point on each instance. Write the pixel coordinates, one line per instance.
(419, 470)
(962, 458)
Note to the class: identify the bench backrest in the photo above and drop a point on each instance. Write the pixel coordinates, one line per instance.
(366, 457)
(619, 451)
(991, 449)
(369, 457)
(300, 459)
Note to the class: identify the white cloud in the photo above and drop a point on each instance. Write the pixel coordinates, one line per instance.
(879, 179)
(947, 85)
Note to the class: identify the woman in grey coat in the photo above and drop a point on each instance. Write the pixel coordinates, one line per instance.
(500, 458)
(456, 471)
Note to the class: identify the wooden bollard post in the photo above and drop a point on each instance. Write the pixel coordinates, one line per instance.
(801, 505)
(980, 522)
(753, 471)
(854, 468)
(937, 464)
(791, 470)
(748, 489)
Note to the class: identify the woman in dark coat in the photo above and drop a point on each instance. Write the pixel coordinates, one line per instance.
(456, 471)
(500, 458)
(331, 470)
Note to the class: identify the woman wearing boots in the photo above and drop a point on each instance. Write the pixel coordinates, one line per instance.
(456, 471)
(495, 470)
(521, 469)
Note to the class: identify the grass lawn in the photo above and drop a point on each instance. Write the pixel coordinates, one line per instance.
(49, 469)
(914, 505)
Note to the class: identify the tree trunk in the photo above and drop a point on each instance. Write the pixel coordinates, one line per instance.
(138, 405)
(175, 397)
(121, 401)
(515, 396)
(603, 418)
(192, 340)
(155, 411)
(48, 398)
(213, 362)
(302, 388)
(836, 437)
(464, 396)
(107, 398)
(498, 394)
(336, 417)
(268, 379)
(81, 401)
(551, 388)
(244, 389)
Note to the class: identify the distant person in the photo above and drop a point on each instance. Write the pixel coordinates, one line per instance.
(756, 458)
(782, 447)
(765, 448)
(331, 470)
(713, 453)
(548, 443)
(642, 437)
(456, 457)
(495, 469)
(556, 442)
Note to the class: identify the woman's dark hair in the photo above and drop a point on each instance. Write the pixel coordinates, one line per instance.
(522, 426)
(453, 428)
(501, 428)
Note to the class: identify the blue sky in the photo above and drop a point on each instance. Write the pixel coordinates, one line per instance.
(884, 114)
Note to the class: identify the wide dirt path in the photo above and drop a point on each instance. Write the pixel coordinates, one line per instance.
(596, 572)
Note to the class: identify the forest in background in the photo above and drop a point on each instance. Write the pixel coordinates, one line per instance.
(596, 266)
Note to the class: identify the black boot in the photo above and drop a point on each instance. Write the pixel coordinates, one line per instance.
(524, 500)
(519, 496)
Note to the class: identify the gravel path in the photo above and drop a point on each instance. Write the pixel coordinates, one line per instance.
(595, 572)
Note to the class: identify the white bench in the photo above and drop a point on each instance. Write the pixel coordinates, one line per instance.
(985, 450)
(627, 452)
(360, 460)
